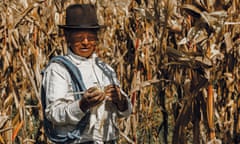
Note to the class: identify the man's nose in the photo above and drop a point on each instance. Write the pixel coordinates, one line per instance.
(85, 40)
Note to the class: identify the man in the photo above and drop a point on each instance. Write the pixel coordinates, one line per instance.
(86, 114)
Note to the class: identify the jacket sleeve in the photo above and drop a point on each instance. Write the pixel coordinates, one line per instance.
(61, 109)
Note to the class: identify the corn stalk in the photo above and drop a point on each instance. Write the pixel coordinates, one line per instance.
(178, 61)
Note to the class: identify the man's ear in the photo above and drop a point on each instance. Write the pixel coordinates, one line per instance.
(66, 34)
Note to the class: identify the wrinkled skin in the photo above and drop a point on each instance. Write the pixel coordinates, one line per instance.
(82, 42)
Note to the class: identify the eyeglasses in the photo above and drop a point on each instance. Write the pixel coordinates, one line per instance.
(89, 37)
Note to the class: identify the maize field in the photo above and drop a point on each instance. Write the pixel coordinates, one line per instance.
(178, 60)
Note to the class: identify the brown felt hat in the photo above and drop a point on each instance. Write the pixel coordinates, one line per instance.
(81, 16)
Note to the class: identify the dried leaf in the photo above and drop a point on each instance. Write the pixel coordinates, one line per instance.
(3, 120)
(1, 140)
(228, 42)
(16, 130)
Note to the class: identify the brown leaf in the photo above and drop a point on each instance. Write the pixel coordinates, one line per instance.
(228, 41)
(3, 120)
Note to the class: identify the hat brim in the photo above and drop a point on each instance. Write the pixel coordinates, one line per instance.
(80, 27)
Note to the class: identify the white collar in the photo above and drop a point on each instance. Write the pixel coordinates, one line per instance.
(79, 59)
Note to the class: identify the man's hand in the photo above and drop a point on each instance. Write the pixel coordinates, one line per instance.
(91, 98)
(112, 92)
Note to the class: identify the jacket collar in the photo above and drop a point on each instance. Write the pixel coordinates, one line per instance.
(79, 59)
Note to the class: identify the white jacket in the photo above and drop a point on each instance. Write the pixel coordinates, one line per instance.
(64, 112)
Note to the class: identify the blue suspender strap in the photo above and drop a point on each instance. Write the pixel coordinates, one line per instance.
(73, 70)
(78, 85)
(107, 71)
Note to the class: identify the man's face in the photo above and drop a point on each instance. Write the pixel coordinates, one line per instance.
(82, 42)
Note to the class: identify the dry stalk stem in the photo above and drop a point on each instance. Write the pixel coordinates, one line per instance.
(178, 60)
(29, 76)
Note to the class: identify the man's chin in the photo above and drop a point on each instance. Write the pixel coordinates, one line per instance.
(86, 55)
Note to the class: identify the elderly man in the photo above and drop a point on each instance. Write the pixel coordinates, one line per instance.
(81, 95)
